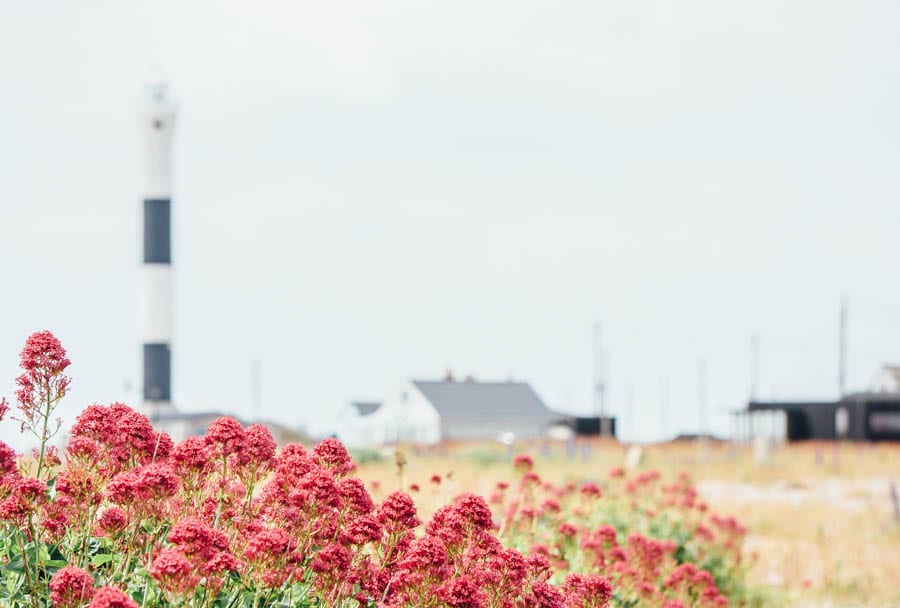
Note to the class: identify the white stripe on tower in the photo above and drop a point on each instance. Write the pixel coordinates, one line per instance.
(157, 120)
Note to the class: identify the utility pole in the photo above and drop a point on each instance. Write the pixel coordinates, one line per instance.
(701, 395)
(663, 407)
(597, 362)
(256, 389)
(754, 366)
(842, 354)
(600, 367)
(628, 413)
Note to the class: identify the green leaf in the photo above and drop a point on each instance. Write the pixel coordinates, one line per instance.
(101, 558)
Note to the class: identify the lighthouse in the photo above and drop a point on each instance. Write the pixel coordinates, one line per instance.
(157, 119)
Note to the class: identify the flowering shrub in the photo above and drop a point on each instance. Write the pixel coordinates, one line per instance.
(226, 520)
(656, 543)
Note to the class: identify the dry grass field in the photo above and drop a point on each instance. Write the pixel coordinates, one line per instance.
(822, 530)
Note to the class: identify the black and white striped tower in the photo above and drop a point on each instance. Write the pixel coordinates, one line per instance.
(157, 121)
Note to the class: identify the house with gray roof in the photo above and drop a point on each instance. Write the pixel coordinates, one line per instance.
(430, 411)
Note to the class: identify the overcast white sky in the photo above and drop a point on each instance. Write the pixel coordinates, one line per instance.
(371, 191)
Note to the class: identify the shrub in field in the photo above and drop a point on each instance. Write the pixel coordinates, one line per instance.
(657, 543)
(125, 519)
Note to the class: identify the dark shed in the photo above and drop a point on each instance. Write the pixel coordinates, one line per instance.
(860, 417)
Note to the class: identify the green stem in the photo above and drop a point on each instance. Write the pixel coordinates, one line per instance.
(46, 417)
(221, 497)
(32, 589)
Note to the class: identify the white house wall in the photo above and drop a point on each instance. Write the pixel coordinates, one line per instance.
(353, 429)
(405, 416)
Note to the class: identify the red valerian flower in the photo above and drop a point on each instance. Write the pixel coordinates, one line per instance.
(523, 462)
(82, 449)
(461, 593)
(173, 571)
(425, 552)
(7, 459)
(44, 361)
(56, 516)
(531, 478)
(551, 505)
(684, 572)
(355, 497)
(590, 490)
(317, 488)
(334, 558)
(27, 495)
(195, 538)
(220, 563)
(545, 595)
(45, 352)
(51, 456)
(538, 565)
(607, 534)
(259, 448)
(587, 591)
(362, 530)
(164, 446)
(135, 438)
(331, 454)
(123, 488)
(157, 480)
(474, 510)
(112, 520)
(226, 436)
(111, 597)
(192, 454)
(4, 407)
(398, 512)
(70, 587)
(125, 436)
(267, 544)
(293, 461)
(40, 388)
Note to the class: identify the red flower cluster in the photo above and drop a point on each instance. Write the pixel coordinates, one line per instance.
(44, 361)
(71, 587)
(111, 597)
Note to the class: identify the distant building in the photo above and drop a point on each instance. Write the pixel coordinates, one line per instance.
(181, 425)
(887, 380)
(353, 422)
(426, 411)
(587, 426)
(868, 416)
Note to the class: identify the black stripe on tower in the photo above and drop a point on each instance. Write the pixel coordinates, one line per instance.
(157, 241)
(157, 372)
